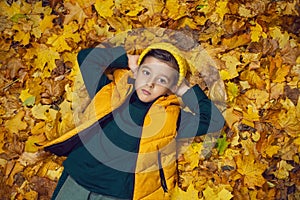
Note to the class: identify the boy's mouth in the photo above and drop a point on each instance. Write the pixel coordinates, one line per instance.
(146, 92)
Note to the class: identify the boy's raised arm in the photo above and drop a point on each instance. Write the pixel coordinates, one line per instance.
(94, 61)
(205, 116)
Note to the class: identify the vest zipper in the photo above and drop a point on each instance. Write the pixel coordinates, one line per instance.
(162, 174)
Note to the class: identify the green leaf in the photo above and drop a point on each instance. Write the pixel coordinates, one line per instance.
(16, 17)
(29, 101)
(222, 144)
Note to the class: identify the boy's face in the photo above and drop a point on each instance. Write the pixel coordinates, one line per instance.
(154, 78)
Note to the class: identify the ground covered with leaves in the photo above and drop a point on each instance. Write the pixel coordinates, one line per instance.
(254, 46)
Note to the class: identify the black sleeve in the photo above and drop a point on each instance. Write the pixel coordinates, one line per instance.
(94, 61)
(204, 117)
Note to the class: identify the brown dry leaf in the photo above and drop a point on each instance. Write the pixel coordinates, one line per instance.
(75, 13)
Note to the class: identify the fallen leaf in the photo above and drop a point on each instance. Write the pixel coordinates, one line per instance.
(283, 169)
(189, 194)
(16, 124)
(257, 32)
(27, 98)
(219, 193)
(30, 144)
(75, 13)
(276, 33)
(260, 96)
(251, 169)
(222, 144)
(232, 91)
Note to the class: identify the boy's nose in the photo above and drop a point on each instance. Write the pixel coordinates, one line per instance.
(150, 84)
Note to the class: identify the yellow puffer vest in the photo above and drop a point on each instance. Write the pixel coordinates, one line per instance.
(157, 145)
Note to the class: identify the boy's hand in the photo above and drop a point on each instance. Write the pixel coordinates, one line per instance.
(184, 86)
(133, 62)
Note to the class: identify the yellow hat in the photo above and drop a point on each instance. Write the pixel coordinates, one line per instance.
(182, 63)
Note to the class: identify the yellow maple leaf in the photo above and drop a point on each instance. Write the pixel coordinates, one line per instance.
(250, 116)
(8, 10)
(38, 8)
(46, 22)
(217, 193)
(104, 8)
(283, 169)
(192, 154)
(222, 8)
(272, 150)
(45, 55)
(179, 194)
(257, 32)
(175, 9)
(251, 169)
(22, 37)
(59, 43)
(16, 124)
(119, 24)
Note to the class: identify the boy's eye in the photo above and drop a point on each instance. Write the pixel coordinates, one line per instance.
(162, 81)
(145, 72)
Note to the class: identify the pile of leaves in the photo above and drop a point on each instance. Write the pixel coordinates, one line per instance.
(255, 48)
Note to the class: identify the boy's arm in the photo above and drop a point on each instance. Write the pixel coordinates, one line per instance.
(94, 61)
(205, 116)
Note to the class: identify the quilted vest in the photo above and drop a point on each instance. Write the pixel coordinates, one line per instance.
(157, 151)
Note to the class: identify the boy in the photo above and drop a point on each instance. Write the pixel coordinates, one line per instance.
(126, 148)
